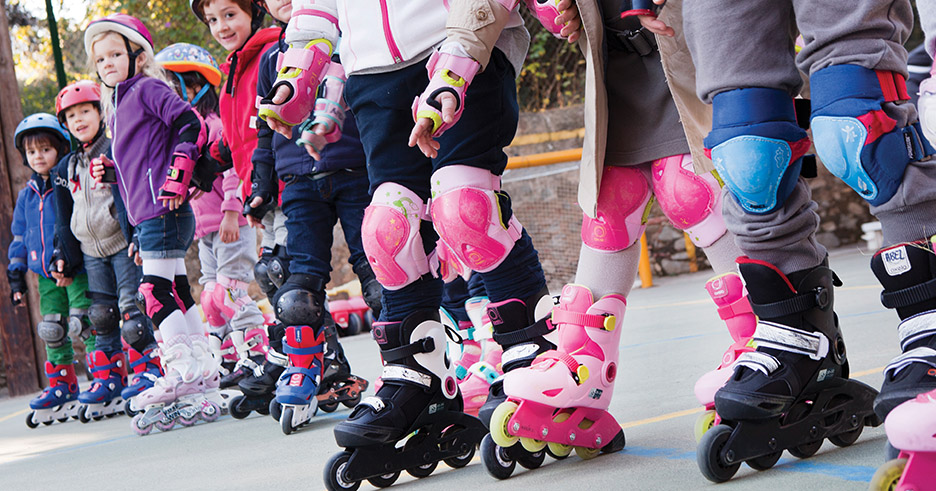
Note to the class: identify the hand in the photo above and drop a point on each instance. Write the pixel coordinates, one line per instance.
(655, 25)
(422, 133)
(229, 230)
(251, 220)
(281, 95)
(97, 167)
(132, 252)
(572, 29)
(173, 202)
(57, 270)
(318, 142)
(17, 298)
(64, 281)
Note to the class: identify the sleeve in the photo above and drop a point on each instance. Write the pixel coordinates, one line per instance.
(169, 108)
(230, 183)
(474, 26)
(927, 12)
(312, 19)
(266, 75)
(17, 251)
(64, 240)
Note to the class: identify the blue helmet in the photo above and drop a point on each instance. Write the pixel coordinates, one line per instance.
(39, 122)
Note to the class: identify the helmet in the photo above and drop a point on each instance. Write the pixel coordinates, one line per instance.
(258, 11)
(38, 122)
(132, 30)
(185, 57)
(77, 93)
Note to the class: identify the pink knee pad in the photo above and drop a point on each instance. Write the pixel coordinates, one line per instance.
(690, 201)
(449, 266)
(229, 296)
(623, 204)
(390, 233)
(466, 213)
(209, 307)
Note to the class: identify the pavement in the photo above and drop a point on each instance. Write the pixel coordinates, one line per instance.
(672, 335)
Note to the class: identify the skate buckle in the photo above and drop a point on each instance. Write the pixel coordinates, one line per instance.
(581, 374)
(609, 322)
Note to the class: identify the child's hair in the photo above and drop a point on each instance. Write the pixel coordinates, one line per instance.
(149, 69)
(40, 137)
(245, 5)
(208, 103)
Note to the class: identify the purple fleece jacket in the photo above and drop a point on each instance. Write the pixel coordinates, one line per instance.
(144, 142)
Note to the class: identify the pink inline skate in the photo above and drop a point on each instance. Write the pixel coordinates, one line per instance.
(560, 402)
(727, 291)
(911, 427)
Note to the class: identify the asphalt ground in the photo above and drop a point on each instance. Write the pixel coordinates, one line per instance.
(672, 335)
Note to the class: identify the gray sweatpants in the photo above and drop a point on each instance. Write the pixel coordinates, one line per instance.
(749, 43)
(274, 229)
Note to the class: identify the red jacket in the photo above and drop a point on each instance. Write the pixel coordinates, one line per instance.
(239, 101)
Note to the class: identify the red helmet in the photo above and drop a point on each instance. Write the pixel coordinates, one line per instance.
(77, 93)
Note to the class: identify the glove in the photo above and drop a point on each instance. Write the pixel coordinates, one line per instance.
(301, 70)
(263, 184)
(57, 256)
(17, 279)
(447, 73)
(179, 177)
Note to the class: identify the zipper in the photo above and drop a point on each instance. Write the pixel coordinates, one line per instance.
(388, 34)
(87, 195)
(42, 233)
(114, 160)
(149, 176)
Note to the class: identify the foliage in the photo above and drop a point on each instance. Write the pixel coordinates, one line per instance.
(553, 74)
(18, 16)
(39, 95)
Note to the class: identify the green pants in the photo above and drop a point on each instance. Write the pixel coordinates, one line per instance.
(70, 300)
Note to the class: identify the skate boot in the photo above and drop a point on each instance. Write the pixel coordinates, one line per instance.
(179, 396)
(911, 427)
(259, 386)
(146, 371)
(794, 390)
(59, 400)
(338, 385)
(470, 350)
(211, 372)
(476, 385)
(561, 400)
(103, 398)
(251, 350)
(299, 383)
(415, 420)
(908, 273)
(728, 293)
(519, 328)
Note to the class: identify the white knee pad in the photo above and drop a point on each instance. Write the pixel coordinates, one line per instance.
(623, 206)
(691, 202)
(390, 233)
(466, 212)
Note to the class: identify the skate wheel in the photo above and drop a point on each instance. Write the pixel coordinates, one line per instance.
(847, 438)
(558, 451)
(385, 480)
(111, 415)
(805, 450)
(586, 453)
(136, 424)
(328, 407)
(275, 410)
(235, 409)
(30, 422)
(83, 414)
(531, 460)
(286, 421)
(764, 462)
(62, 419)
(47, 423)
(888, 475)
(350, 403)
(129, 410)
(334, 473)
(495, 458)
(461, 460)
(531, 445)
(499, 420)
(97, 418)
(422, 471)
(164, 426)
(708, 455)
(209, 412)
(263, 410)
(703, 423)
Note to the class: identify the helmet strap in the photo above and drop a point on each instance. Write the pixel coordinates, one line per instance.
(182, 86)
(202, 92)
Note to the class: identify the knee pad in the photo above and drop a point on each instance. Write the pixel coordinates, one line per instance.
(261, 273)
(756, 146)
(156, 295)
(133, 330)
(623, 206)
(79, 326)
(105, 318)
(855, 139)
(229, 296)
(52, 330)
(301, 301)
(391, 238)
(692, 202)
(278, 267)
(183, 292)
(209, 307)
(472, 216)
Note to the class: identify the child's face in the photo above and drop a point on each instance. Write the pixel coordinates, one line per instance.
(281, 10)
(83, 121)
(41, 156)
(229, 25)
(111, 59)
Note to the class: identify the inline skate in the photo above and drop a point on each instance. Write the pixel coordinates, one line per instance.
(251, 348)
(146, 371)
(911, 427)
(793, 391)
(59, 400)
(415, 421)
(727, 291)
(259, 386)
(104, 398)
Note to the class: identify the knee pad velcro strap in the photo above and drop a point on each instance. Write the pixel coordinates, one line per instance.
(756, 146)
(156, 294)
(855, 139)
(623, 205)
(467, 212)
(690, 201)
(391, 238)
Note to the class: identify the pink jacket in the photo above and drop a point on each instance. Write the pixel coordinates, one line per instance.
(209, 208)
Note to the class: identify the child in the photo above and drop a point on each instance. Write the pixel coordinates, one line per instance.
(95, 215)
(62, 303)
(226, 244)
(157, 140)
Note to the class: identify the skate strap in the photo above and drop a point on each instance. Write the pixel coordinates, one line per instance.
(519, 352)
(374, 402)
(797, 304)
(313, 350)
(738, 307)
(424, 345)
(912, 329)
(909, 296)
(144, 358)
(312, 373)
(578, 371)
(539, 328)
(276, 358)
(785, 338)
(484, 370)
(401, 373)
(924, 355)
(596, 321)
(756, 360)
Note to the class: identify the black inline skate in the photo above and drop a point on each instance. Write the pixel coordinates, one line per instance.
(259, 386)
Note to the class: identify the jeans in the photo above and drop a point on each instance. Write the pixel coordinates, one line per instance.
(114, 280)
(167, 236)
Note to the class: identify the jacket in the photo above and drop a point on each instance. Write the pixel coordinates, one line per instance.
(239, 101)
(33, 227)
(144, 141)
(209, 208)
